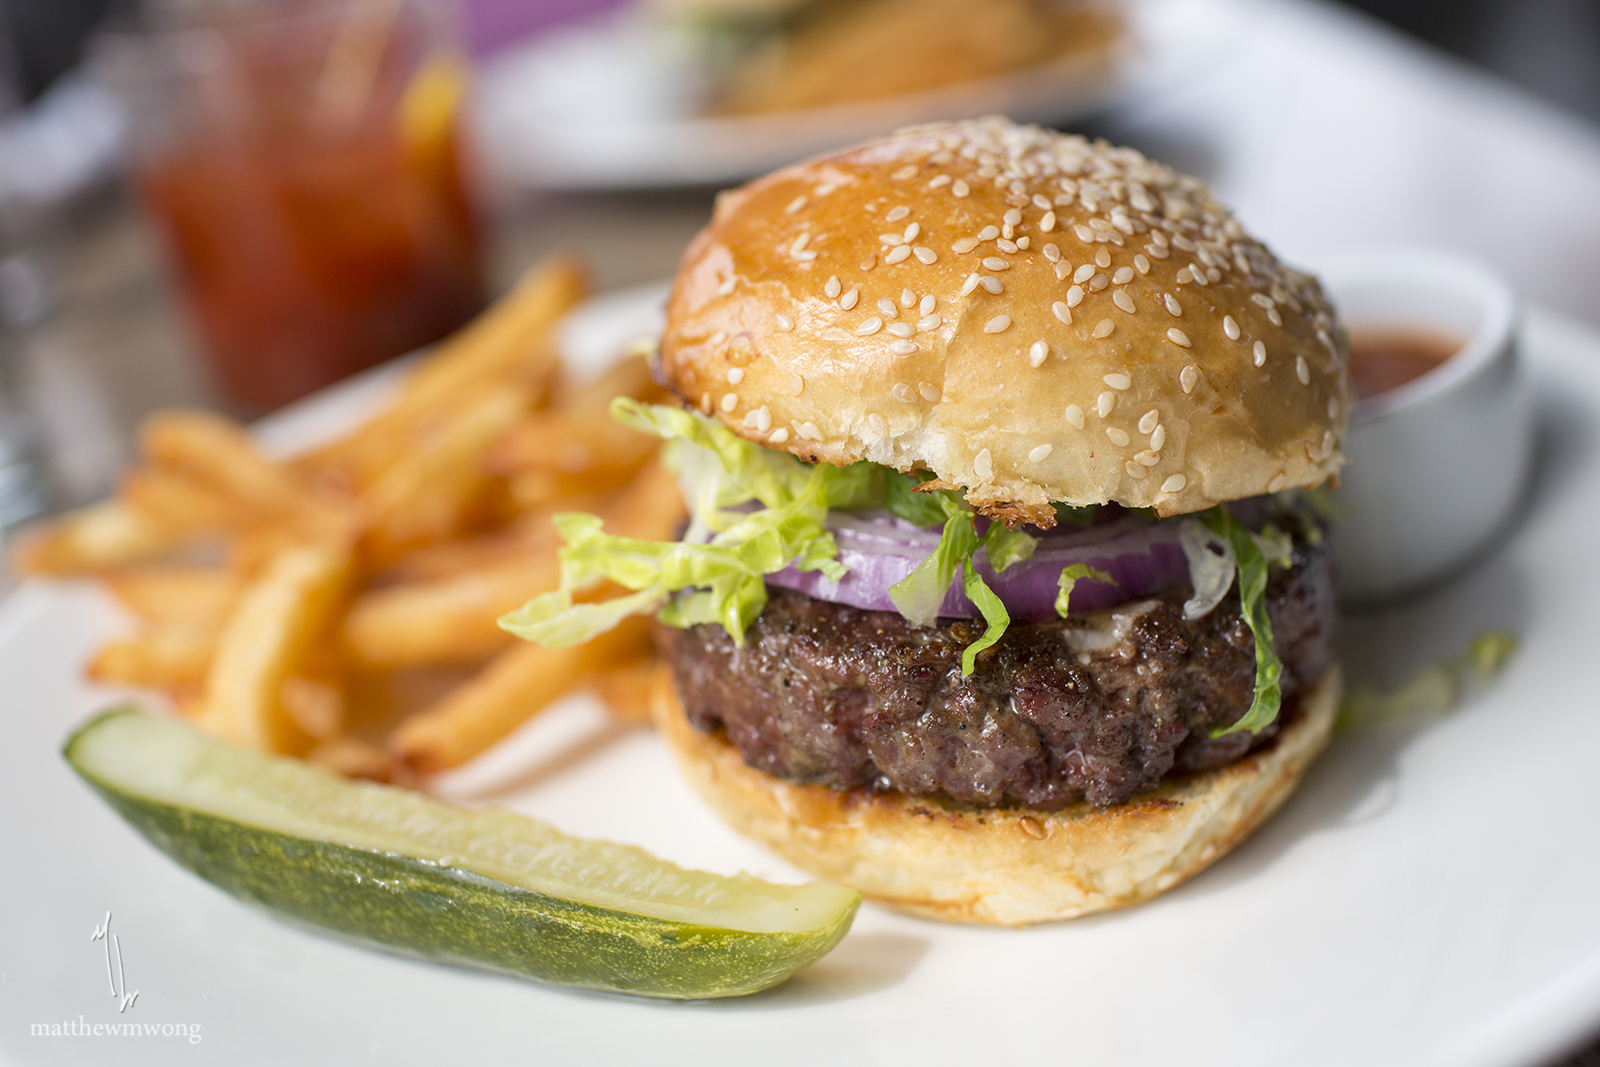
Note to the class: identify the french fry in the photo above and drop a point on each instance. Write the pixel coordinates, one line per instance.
(425, 495)
(507, 342)
(570, 442)
(110, 534)
(287, 611)
(627, 691)
(177, 593)
(519, 683)
(182, 502)
(164, 656)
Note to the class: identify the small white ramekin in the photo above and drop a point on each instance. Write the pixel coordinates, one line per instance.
(1437, 465)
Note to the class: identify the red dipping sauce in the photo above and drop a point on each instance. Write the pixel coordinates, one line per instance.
(1385, 358)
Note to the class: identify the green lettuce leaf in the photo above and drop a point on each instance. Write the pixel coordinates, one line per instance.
(1252, 568)
(919, 595)
(1005, 546)
(988, 604)
(1071, 576)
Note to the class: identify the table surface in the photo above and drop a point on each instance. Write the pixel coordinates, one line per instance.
(1387, 141)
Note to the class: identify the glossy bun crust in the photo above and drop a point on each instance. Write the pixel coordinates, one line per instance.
(1031, 316)
(1008, 866)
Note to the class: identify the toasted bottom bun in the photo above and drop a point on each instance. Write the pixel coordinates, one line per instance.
(1008, 866)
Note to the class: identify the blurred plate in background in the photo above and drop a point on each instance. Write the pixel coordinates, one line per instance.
(617, 104)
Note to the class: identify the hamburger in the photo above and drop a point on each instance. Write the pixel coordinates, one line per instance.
(1004, 597)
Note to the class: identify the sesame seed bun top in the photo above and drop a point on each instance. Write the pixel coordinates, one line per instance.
(1028, 315)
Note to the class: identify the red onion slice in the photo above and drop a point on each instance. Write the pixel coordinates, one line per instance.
(1145, 557)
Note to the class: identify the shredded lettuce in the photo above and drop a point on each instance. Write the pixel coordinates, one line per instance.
(919, 595)
(1252, 568)
(988, 604)
(1070, 577)
(1005, 547)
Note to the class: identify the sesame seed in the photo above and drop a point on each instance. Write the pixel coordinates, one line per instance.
(1048, 223)
(1156, 251)
(1098, 282)
(1102, 259)
(1052, 253)
(809, 431)
(1277, 482)
(1062, 312)
(1147, 458)
(870, 327)
(1259, 349)
(1170, 302)
(1134, 470)
(1118, 381)
(735, 375)
(902, 347)
(970, 284)
(1184, 276)
(824, 189)
(717, 338)
(1074, 296)
(1275, 318)
(800, 243)
(912, 231)
(983, 464)
(897, 254)
(907, 171)
(1174, 483)
(997, 324)
(930, 322)
(988, 233)
(925, 255)
(995, 263)
(991, 285)
(730, 401)
(1158, 437)
(1230, 327)
(1178, 337)
(929, 302)
(1039, 453)
(1187, 378)
(1123, 301)
(784, 322)
(1105, 404)
(726, 288)
(891, 239)
(897, 214)
(930, 392)
(1302, 370)
(1008, 246)
(1083, 233)
(1062, 269)
(907, 298)
(886, 306)
(1141, 264)
(1149, 421)
(1040, 202)
(959, 188)
(963, 245)
(1038, 352)
(779, 436)
(1074, 416)
(1012, 217)
(797, 204)
(851, 295)
(1083, 273)
(832, 288)
(797, 384)
(876, 423)
(1123, 276)
(902, 329)
(940, 182)
(870, 262)
(1262, 300)
(763, 419)
(1119, 437)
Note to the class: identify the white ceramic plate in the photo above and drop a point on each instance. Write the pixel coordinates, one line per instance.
(612, 105)
(1426, 898)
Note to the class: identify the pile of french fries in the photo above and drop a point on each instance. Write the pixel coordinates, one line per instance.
(341, 605)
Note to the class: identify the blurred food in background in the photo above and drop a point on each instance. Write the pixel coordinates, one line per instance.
(791, 54)
(665, 92)
(305, 164)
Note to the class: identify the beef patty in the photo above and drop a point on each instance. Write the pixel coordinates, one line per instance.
(1097, 707)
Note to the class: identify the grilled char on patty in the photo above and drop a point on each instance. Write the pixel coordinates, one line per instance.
(1099, 708)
